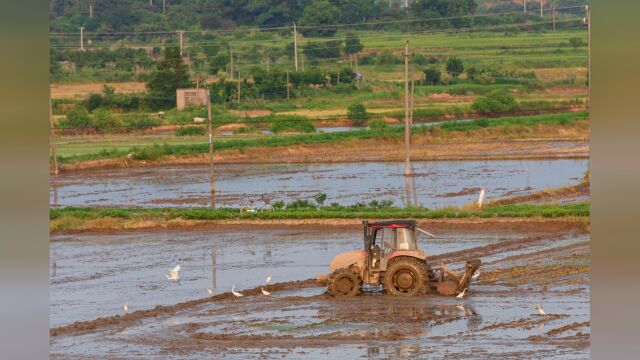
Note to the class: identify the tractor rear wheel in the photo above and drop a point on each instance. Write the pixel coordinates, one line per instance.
(406, 276)
(344, 282)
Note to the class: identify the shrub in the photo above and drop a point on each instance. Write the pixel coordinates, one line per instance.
(357, 113)
(104, 121)
(278, 205)
(378, 125)
(291, 124)
(575, 42)
(190, 131)
(300, 204)
(77, 118)
(495, 101)
(246, 130)
(432, 76)
(387, 58)
(320, 198)
(455, 67)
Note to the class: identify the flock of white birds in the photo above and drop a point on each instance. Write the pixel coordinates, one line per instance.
(174, 275)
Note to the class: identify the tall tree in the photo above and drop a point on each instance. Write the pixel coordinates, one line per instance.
(317, 16)
(352, 44)
(171, 74)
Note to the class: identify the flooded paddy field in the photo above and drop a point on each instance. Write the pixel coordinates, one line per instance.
(523, 265)
(438, 183)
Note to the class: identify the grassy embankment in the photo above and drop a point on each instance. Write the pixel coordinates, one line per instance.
(72, 218)
(156, 150)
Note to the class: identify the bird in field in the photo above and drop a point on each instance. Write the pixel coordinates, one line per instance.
(126, 307)
(462, 309)
(264, 292)
(459, 296)
(475, 275)
(174, 274)
(540, 310)
(209, 291)
(268, 279)
(235, 293)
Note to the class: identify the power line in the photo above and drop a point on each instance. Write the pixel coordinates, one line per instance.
(288, 26)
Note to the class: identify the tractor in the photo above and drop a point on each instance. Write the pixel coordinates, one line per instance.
(391, 258)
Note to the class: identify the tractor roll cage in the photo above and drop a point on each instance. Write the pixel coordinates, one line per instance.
(370, 230)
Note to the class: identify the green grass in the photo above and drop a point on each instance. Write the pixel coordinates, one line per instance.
(157, 150)
(333, 212)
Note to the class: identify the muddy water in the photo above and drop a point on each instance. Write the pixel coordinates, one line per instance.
(97, 273)
(438, 184)
(92, 275)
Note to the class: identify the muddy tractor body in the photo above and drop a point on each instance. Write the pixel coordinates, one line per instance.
(392, 259)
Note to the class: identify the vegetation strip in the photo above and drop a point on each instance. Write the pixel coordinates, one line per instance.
(156, 151)
(68, 217)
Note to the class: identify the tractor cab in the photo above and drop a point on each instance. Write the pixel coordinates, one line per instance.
(383, 238)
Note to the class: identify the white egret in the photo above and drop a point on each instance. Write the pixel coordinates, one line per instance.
(209, 291)
(268, 279)
(126, 307)
(462, 309)
(264, 292)
(475, 275)
(174, 274)
(540, 310)
(459, 296)
(235, 293)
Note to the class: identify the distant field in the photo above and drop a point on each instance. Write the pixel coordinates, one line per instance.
(83, 89)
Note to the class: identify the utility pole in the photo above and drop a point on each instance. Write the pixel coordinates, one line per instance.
(231, 69)
(407, 127)
(588, 20)
(238, 83)
(357, 73)
(212, 170)
(541, 9)
(91, 9)
(338, 78)
(163, 6)
(81, 38)
(53, 139)
(287, 85)
(525, 6)
(181, 35)
(295, 46)
(412, 93)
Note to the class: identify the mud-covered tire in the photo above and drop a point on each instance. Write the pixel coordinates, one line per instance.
(406, 276)
(344, 282)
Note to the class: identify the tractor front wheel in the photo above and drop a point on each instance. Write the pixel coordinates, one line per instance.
(406, 276)
(344, 282)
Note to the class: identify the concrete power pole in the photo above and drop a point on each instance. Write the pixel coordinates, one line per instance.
(164, 7)
(295, 46)
(91, 9)
(231, 65)
(81, 38)
(588, 20)
(407, 127)
(212, 169)
(53, 139)
(541, 9)
(287, 85)
(238, 83)
(524, 7)
(181, 36)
